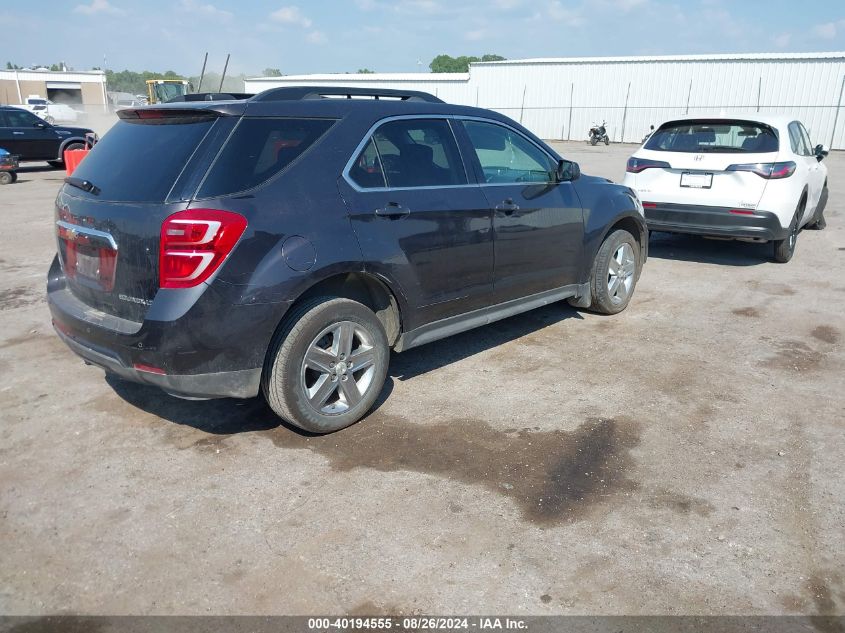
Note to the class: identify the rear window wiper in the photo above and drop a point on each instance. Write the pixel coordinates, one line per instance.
(720, 149)
(85, 185)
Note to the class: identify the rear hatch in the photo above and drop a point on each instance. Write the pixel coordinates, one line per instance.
(705, 162)
(109, 213)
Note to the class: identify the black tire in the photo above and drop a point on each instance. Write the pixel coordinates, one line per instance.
(60, 163)
(593, 140)
(784, 249)
(6, 178)
(607, 140)
(601, 298)
(286, 378)
(819, 223)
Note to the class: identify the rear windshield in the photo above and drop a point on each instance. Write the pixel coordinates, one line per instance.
(718, 136)
(138, 161)
(258, 149)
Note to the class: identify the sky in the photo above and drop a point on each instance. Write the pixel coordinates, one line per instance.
(321, 36)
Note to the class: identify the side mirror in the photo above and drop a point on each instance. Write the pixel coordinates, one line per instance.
(821, 151)
(567, 171)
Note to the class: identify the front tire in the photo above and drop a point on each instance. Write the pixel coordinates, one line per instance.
(607, 140)
(593, 140)
(615, 273)
(60, 163)
(326, 365)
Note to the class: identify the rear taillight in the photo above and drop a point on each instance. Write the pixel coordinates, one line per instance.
(770, 171)
(636, 165)
(194, 243)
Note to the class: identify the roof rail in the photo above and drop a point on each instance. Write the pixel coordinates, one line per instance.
(210, 96)
(300, 93)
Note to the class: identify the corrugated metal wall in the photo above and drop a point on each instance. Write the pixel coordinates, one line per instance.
(561, 99)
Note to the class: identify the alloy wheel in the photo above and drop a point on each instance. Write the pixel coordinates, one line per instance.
(620, 273)
(338, 367)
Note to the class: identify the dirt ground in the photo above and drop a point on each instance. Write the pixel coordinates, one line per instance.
(684, 457)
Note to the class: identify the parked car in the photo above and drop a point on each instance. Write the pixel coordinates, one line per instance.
(287, 242)
(51, 112)
(756, 178)
(31, 138)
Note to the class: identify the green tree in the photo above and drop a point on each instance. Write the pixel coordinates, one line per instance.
(272, 72)
(365, 71)
(449, 64)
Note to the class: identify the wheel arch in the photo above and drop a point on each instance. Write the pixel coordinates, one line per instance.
(632, 222)
(371, 290)
(66, 142)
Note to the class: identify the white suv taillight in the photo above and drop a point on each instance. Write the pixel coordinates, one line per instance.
(194, 243)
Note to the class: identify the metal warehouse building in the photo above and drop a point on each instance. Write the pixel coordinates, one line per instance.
(560, 98)
(86, 88)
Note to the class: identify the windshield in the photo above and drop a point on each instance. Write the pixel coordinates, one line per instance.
(168, 91)
(715, 136)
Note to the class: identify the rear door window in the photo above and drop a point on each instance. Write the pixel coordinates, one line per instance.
(367, 171)
(805, 135)
(414, 153)
(714, 135)
(257, 150)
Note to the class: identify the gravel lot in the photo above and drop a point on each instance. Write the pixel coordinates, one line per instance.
(682, 457)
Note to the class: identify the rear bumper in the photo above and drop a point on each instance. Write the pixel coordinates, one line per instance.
(232, 384)
(211, 348)
(715, 221)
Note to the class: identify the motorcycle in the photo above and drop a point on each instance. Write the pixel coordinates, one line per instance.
(598, 133)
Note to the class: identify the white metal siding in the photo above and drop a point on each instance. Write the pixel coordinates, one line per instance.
(537, 92)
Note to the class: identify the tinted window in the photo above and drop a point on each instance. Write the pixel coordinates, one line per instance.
(138, 161)
(717, 135)
(258, 149)
(507, 156)
(20, 118)
(367, 170)
(419, 153)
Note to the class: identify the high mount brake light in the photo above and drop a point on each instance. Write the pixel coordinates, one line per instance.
(194, 243)
(636, 165)
(769, 171)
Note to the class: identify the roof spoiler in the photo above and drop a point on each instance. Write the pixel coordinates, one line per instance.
(301, 93)
(210, 96)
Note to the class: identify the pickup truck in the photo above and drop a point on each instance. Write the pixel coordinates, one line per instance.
(49, 111)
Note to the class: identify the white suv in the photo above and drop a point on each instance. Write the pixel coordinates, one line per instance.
(754, 178)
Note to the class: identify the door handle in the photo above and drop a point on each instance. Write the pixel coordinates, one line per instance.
(393, 210)
(507, 206)
(21, 133)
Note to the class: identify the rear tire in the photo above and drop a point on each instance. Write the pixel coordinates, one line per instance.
(615, 273)
(6, 178)
(784, 249)
(326, 365)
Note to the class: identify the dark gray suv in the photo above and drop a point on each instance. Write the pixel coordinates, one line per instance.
(286, 243)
